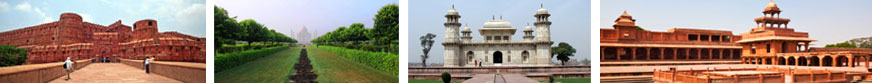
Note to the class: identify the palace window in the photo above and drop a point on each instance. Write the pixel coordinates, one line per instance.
(753, 49)
(768, 48)
(704, 37)
(692, 37)
(726, 38)
(716, 38)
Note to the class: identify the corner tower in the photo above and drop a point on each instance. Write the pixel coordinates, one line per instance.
(452, 44)
(543, 37)
(772, 36)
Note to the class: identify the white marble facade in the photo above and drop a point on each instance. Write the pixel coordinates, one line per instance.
(497, 48)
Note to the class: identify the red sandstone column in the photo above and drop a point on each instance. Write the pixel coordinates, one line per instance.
(698, 53)
(647, 53)
(820, 61)
(687, 55)
(851, 61)
(675, 53)
(661, 54)
(634, 53)
(835, 63)
(866, 59)
(620, 50)
(797, 61)
(711, 53)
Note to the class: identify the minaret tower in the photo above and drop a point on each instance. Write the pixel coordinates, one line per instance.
(452, 40)
(543, 37)
(772, 37)
(452, 26)
(771, 18)
(528, 33)
(542, 24)
(466, 37)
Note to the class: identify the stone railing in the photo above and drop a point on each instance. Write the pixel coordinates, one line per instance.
(37, 73)
(529, 71)
(189, 72)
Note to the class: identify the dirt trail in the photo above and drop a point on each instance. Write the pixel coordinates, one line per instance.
(304, 72)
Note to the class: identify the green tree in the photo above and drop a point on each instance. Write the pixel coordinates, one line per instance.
(563, 52)
(227, 30)
(256, 32)
(841, 45)
(427, 43)
(11, 55)
(386, 24)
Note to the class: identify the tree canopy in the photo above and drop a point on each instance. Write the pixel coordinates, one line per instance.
(563, 52)
(228, 30)
(11, 55)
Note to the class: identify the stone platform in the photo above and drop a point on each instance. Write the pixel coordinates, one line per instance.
(113, 73)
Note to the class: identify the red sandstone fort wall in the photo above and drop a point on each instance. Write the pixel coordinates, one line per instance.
(71, 37)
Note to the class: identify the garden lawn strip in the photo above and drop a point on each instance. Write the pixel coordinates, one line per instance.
(273, 68)
(335, 69)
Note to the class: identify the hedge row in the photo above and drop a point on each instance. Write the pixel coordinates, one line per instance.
(368, 46)
(243, 47)
(379, 60)
(230, 60)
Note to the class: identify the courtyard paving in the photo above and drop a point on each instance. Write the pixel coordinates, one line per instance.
(112, 73)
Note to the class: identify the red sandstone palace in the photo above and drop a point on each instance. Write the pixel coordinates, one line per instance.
(770, 43)
(71, 37)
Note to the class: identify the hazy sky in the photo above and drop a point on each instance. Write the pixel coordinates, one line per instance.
(184, 16)
(828, 21)
(289, 16)
(570, 18)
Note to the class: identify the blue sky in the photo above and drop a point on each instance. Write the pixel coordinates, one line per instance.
(570, 18)
(184, 16)
(828, 21)
(287, 16)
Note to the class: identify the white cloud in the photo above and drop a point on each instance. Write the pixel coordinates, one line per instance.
(45, 18)
(4, 6)
(23, 6)
(85, 17)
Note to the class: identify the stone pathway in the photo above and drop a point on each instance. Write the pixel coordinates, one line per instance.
(112, 73)
(503, 78)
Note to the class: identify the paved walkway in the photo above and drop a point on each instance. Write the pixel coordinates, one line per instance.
(504, 78)
(112, 73)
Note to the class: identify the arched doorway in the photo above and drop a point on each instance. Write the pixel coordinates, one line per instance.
(525, 56)
(814, 61)
(498, 57)
(782, 61)
(827, 61)
(470, 56)
(803, 61)
(791, 61)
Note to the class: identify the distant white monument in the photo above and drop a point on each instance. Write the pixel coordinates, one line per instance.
(303, 37)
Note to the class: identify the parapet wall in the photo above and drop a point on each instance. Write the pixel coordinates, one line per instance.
(529, 71)
(37, 73)
(183, 71)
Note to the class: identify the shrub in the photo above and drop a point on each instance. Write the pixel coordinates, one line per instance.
(386, 62)
(230, 60)
(11, 55)
(446, 77)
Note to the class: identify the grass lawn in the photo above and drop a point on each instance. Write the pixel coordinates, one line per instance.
(274, 68)
(428, 81)
(335, 69)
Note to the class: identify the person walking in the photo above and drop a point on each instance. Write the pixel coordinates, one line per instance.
(147, 61)
(68, 65)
